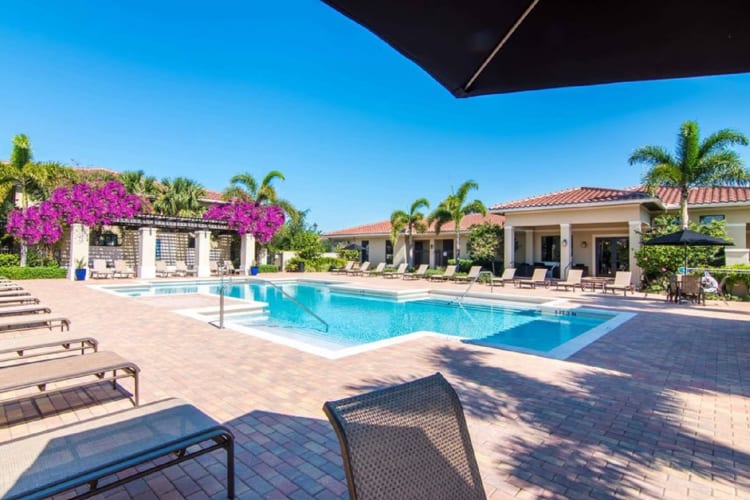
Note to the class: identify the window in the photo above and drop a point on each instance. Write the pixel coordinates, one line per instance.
(103, 239)
(388, 252)
(366, 251)
(551, 248)
(708, 219)
(158, 249)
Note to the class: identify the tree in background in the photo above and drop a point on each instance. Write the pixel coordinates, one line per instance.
(411, 220)
(138, 183)
(484, 242)
(32, 180)
(695, 163)
(454, 208)
(245, 187)
(180, 197)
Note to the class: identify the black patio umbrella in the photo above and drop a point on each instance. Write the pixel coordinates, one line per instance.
(490, 46)
(354, 246)
(687, 238)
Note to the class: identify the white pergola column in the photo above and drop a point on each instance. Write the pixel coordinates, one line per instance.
(79, 247)
(634, 229)
(147, 252)
(529, 247)
(432, 253)
(509, 247)
(566, 248)
(247, 252)
(203, 253)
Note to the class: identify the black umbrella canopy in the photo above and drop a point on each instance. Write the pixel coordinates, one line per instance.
(686, 237)
(491, 46)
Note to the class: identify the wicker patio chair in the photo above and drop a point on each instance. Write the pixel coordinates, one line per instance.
(407, 441)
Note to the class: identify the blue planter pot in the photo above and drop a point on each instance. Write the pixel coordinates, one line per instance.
(80, 274)
(253, 270)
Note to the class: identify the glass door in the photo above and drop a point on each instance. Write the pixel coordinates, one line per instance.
(612, 255)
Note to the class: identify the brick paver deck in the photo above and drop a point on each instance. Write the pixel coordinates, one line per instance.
(660, 407)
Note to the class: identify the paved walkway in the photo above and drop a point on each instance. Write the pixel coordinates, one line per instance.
(660, 407)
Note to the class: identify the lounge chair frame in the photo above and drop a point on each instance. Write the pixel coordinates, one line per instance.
(20, 346)
(622, 282)
(573, 280)
(32, 322)
(18, 299)
(395, 274)
(508, 276)
(158, 453)
(448, 274)
(23, 309)
(98, 364)
(534, 280)
(419, 273)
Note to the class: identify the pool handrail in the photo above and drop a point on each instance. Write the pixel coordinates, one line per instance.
(298, 303)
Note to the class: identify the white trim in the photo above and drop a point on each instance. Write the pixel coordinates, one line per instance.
(573, 206)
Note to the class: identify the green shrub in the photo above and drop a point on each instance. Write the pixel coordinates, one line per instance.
(268, 268)
(733, 278)
(463, 264)
(293, 265)
(430, 272)
(9, 260)
(32, 273)
(324, 264)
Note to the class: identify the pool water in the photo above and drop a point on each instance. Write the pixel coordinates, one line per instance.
(356, 319)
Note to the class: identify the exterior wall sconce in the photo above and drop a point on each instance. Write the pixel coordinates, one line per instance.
(564, 243)
(584, 244)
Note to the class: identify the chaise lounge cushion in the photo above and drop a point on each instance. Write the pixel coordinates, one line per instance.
(44, 464)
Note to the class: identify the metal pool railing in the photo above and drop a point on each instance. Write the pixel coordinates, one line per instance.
(298, 303)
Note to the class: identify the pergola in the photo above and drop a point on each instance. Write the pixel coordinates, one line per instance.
(148, 226)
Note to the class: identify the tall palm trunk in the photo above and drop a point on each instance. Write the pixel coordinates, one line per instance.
(685, 193)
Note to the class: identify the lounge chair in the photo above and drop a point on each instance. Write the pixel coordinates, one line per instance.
(24, 309)
(18, 299)
(146, 439)
(358, 271)
(20, 346)
(539, 277)
(181, 269)
(14, 293)
(375, 272)
(100, 270)
(16, 323)
(622, 282)
(347, 267)
(13, 378)
(230, 269)
(10, 287)
(472, 276)
(395, 274)
(450, 271)
(162, 270)
(508, 276)
(122, 270)
(419, 273)
(573, 280)
(407, 441)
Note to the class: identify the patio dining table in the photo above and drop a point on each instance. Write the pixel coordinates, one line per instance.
(595, 282)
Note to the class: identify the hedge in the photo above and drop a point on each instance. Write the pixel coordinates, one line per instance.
(268, 268)
(33, 273)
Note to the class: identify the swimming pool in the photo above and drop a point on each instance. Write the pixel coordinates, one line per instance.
(336, 319)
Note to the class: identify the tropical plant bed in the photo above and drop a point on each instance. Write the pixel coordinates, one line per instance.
(33, 273)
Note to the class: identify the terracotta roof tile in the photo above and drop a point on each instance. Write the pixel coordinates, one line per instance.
(669, 195)
(574, 196)
(384, 227)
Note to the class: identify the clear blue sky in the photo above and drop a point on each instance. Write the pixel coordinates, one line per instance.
(207, 90)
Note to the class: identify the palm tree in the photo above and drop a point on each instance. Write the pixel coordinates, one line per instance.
(34, 180)
(694, 163)
(410, 221)
(138, 183)
(180, 196)
(454, 208)
(245, 187)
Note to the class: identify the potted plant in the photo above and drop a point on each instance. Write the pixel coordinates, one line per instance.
(80, 270)
(254, 269)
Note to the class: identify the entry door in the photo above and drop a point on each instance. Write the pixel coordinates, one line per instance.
(612, 255)
(418, 249)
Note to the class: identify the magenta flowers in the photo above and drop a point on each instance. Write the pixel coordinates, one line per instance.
(262, 221)
(80, 204)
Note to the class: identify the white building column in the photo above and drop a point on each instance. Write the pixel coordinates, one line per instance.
(79, 247)
(203, 253)
(635, 227)
(146, 252)
(566, 249)
(247, 252)
(509, 247)
(529, 257)
(432, 253)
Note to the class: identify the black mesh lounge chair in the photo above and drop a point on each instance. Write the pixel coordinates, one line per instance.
(407, 441)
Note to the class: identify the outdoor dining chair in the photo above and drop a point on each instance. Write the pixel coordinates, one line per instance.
(406, 441)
